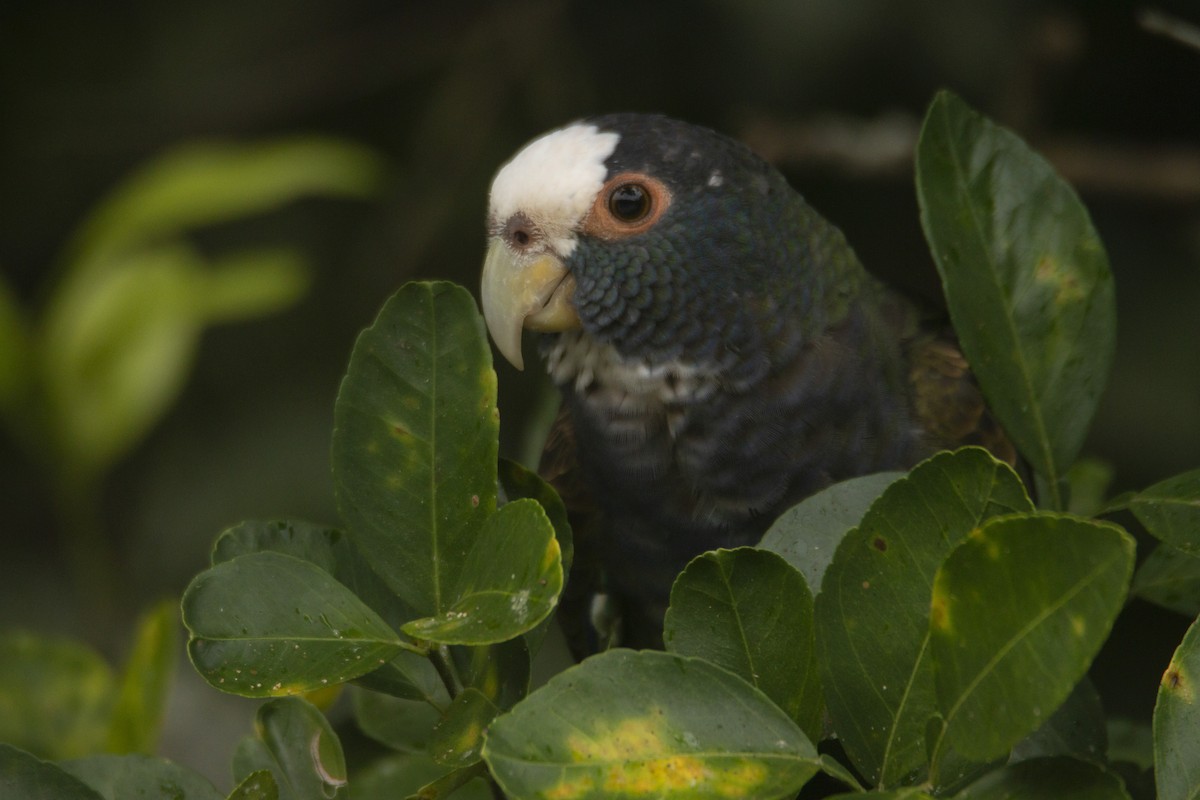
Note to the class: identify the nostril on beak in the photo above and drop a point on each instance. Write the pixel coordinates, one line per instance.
(520, 231)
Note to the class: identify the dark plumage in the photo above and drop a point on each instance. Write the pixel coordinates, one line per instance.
(721, 352)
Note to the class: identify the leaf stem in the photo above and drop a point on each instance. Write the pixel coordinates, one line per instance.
(444, 665)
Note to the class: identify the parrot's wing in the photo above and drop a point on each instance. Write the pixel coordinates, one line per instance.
(947, 400)
(589, 626)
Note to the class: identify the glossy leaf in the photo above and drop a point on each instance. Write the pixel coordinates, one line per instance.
(142, 696)
(56, 696)
(330, 549)
(296, 743)
(401, 776)
(1177, 723)
(501, 671)
(648, 724)
(1026, 280)
(1077, 729)
(415, 442)
(139, 776)
(258, 785)
(1170, 578)
(872, 615)
(402, 725)
(750, 612)
(509, 581)
(1170, 510)
(1019, 611)
(25, 776)
(1047, 779)
(269, 624)
(807, 534)
(203, 184)
(458, 735)
(516, 483)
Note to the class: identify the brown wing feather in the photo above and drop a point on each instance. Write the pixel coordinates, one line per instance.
(947, 401)
(560, 467)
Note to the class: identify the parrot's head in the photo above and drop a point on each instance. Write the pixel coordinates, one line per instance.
(660, 241)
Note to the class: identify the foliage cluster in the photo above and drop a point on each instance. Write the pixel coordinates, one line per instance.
(906, 635)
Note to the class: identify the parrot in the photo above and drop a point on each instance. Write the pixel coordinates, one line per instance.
(720, 352)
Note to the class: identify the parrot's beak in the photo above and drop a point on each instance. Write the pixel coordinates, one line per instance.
(521, 292)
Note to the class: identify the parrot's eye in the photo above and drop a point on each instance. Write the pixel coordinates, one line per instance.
(629, 202)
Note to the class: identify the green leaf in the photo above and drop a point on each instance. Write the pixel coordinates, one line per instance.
(128, 776)
(1047, 779)
(258, 785)
(872, 614)
(115, 348)
(1170, 510)
(402, 725)
(297, 744)
(807, 535)
(649, 724)
(501, 671)
(509, 581)
(142, 697)
(458, 735)
(1026, 281)
(1089, 480)
(25, 776)
(1077, 729)
(516, 483)
(56, 696)
(330, 549)
(1019, 611)
(401, 776)
(203, 184)
(268, 624)
(415, 442)
(750, 612)
(252, 283)
(1177, 723)
(1169, 577)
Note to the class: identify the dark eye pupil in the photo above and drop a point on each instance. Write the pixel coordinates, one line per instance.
(629, 203)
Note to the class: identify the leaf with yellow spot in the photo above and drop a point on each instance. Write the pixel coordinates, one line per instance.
(1177, 723)
(458, 735)
(652, 725)
(1026, 280)
(873, 613)
(415, 441)
(510, 581)
(1032, 597)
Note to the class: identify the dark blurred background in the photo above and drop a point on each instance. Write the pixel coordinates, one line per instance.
(831, 90)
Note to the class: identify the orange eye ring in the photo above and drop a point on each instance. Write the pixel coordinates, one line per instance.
(628, 204)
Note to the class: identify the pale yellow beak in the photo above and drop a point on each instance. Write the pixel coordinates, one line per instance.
(521, 292)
